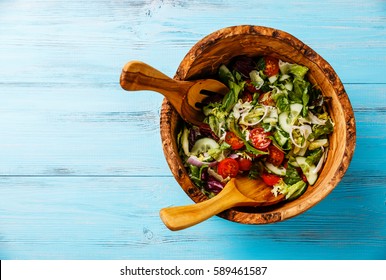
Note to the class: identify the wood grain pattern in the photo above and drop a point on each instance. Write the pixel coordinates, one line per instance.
(238, 192)
(82, 171)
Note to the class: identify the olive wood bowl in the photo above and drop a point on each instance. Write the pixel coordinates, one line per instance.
(203, 61)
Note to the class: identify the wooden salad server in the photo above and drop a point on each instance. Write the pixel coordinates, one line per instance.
(240, 191)
(185, 96)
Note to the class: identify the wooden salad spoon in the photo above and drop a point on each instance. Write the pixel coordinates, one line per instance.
(185, 96)
(240, 191)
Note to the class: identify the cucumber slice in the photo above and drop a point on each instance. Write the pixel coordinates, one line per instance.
(272, 116)
(308, 170)
(283, 122)
(185, 141)
(295, 108)
(297, 190)
(281, 171)
(287, 119)
(280, 137)
(203, 145)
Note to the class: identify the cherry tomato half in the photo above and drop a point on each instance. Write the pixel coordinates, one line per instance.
(266, 99)
(244, 164)
(247, 96)
(250, 87)
(259, 138)
(270, 179)
(232, 139)
(275, 156)
(271, 66)
(228, 167)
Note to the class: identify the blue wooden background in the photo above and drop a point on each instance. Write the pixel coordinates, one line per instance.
(82, 171)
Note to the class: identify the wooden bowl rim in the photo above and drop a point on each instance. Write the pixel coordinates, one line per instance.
(168, 113)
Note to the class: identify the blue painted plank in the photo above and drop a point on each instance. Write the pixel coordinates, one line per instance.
(117, 218)
(62, 42)
(82, 173)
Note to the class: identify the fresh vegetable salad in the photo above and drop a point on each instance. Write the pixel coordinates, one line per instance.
(273, 124)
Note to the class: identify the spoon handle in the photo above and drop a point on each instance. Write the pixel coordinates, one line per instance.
(181, 217)
(137, 75)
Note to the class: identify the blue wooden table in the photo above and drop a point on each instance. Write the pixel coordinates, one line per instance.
(82, 171)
